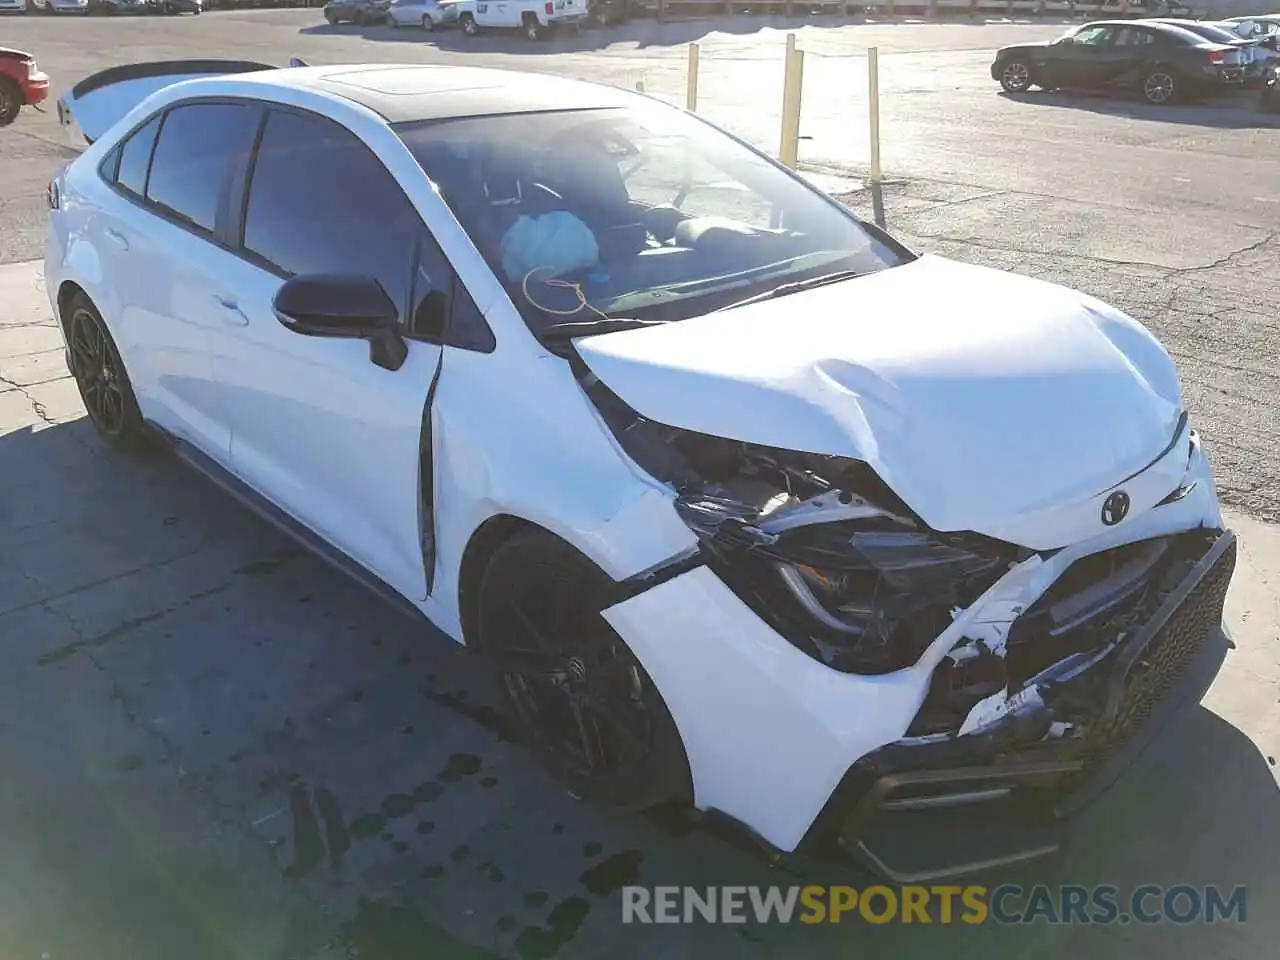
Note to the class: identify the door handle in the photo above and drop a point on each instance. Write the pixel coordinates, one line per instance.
(119, 238)
(231, 310)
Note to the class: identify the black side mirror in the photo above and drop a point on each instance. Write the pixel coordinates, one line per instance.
(347, 307)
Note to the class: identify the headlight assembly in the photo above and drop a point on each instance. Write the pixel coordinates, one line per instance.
(862, 595)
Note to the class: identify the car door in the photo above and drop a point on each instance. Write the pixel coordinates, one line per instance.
(1087, 60)
(317, 427)
(407, 12)
(1129, 55)
(172, 178)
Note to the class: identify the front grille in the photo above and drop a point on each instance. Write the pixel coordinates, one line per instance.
(1161, 665)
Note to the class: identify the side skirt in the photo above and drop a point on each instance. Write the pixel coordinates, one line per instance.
(305, 537)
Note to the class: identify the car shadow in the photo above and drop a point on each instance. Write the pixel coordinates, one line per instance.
(256, 659)
(1232, 111)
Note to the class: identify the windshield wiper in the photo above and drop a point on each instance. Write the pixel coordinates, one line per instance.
(559, 332)
(794, 287)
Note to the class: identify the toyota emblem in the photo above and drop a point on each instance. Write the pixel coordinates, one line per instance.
(1115, 508)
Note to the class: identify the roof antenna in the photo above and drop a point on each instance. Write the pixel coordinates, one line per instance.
(298, 62)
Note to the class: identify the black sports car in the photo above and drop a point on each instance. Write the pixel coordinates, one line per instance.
(1161, 61)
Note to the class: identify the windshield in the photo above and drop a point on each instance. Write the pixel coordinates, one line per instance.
(642, 213)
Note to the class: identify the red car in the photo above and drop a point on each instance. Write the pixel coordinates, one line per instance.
(21, 83)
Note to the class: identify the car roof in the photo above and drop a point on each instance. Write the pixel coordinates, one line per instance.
(401, 93)
(1192, 25)
(1170, 26)
(1157, 22)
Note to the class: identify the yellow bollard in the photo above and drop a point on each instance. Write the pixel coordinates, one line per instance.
(873, 118)
(792, 84)
(691, 88)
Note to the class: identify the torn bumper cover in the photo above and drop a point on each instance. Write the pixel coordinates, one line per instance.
(1070, 732)
(841, 670)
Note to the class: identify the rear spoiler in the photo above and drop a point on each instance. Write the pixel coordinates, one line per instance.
(95, 103)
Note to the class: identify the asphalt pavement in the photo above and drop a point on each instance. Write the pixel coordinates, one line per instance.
(218, 748)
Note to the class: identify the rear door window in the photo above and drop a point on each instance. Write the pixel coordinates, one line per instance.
(198, 148)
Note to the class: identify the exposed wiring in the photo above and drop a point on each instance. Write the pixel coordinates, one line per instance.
(583, 304)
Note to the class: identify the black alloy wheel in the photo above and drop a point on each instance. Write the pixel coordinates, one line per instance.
(580, 699)
(101, 378)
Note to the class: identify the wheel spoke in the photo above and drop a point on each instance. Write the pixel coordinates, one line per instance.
(112, 407)
(534, 631)
(85, 345)
(92, 396)
(603, 708)
(590, 744)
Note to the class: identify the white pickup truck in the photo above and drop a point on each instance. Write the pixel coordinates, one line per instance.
(533, 17)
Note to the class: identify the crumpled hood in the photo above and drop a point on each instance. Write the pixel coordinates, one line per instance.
(988, 401)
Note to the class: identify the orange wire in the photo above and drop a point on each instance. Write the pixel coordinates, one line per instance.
(565, 285)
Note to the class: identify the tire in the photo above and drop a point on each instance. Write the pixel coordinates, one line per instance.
(428, 24)
(102, 379)
(10, 100)
(468, 24)
(578, 698)
(333, 20)
(1016, 76)
(532, 29)
(1269, 99)
(1160, 87)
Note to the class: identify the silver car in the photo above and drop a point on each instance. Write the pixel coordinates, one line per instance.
(427, 14)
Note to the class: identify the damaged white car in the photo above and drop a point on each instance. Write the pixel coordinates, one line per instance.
(747, 504)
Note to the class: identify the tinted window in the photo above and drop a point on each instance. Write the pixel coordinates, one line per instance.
(135, 157)
(467, 326)
(321, 202)
(1092, 36)
(443, 311)
(1132, 37)
(432, 289)
(198, 146)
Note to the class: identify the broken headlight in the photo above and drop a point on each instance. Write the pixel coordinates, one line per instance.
(865, 592)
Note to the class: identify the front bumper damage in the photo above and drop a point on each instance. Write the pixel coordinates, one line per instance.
(937, 765)
(1013, 781)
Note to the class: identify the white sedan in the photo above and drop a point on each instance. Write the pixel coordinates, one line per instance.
(745, 503)
(427, 14)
